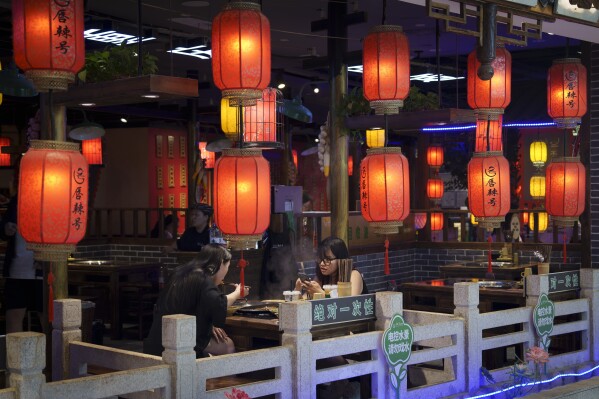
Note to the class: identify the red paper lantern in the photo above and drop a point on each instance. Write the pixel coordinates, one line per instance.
(437, 221)
(524, 218)
(92, 151)
(385, 189)
(53, 197)
(419, 220)
(242, 196)
(565, 190)
(294, 155)
(209, 157)
(350, 165)
(434, 156)
(260, 120)
(435, 189)
(488, 135)
(490, 97)
(241, 51)
(48, 41)
(4, 158)
(567, 92)
(489, 188)
(386, 61)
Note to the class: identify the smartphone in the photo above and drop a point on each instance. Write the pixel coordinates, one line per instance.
(303, 277)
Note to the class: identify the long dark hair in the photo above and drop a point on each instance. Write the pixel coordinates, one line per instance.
(186, 282)
(339, 250)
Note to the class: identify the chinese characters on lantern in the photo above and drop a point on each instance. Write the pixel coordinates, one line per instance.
(78, 196)
(490, 172)
(63, 36)
(364, 196)
(570, 80)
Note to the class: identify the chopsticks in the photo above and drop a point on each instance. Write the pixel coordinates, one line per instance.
(345, 269)
(232, 284)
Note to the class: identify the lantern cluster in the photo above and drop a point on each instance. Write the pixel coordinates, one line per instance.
(435, 187)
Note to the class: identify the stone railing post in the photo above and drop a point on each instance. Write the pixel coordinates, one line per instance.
(536, 284)
(466, 300)
(589, 282)
(179, 339)
(295, 319)
(26, 358)
(65, 329)
(387, 305)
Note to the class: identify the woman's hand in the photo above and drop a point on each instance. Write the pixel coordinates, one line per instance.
(246, 290)
(219, 334)
(311, 287)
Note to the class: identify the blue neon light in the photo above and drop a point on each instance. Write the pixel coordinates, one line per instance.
(466, 127)
(528, 384)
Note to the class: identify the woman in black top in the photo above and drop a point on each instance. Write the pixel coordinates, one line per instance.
(192, 290)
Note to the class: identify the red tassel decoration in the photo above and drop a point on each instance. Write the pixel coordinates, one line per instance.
(565, 253)
(387, 271)
(50, 296)
(489, 257)
(242, 264)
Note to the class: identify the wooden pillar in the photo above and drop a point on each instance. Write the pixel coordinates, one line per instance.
(192, 151)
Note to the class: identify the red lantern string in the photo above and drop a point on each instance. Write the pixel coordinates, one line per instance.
(242, 265)
(489, 257)
(565, 254)
(50, 296)
(387, 271)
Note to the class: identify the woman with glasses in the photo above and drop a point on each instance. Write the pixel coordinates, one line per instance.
(330, 250)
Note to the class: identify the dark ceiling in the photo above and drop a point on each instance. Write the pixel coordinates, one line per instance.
(294, 46)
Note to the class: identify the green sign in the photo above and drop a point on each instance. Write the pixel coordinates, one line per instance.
(397, 345)
(543, 317)
(343, 309)
(564, 281)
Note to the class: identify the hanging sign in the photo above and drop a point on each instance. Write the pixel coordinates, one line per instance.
(397, 345)
(564, 281)
(543, 316)
(343, 309)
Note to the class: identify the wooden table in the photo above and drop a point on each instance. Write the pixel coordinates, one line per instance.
(112, 276)
(479, 270)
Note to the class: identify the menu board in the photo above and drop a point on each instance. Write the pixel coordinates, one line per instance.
(342, 309)
(564, 281)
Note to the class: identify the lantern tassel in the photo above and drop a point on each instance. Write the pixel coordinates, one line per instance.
(50, 296)
(489, 274)
(242, 265)
(565, 253)
(387, 271)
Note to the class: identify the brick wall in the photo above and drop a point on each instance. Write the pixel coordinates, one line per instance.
(591, 121)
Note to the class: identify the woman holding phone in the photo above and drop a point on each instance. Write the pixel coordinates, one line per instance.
(330, 250)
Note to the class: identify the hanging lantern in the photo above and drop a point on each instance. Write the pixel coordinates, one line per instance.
(294, 156)
(350, 165)
(229, 116)
(537, 187)
(524, 218)
(53, 197)
(92, 151)
(488, 135)
(241, 52)
(565, 190)
(48, 41)
(538, 153)
(437, 221)
(543, 218)
(242, 196)
(490, 97)
(209, 157)
(434, 156)
(567, 92)
(419, 220)
(489, 188)
(260, 121)
(473, 220)
(435, 189)
(385, 189)
(386, 61)
(4, 158)
(375, 137)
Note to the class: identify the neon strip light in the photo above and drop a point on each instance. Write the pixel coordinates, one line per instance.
(466, 127)
(201, 52)
(423, 77)
(112, 36)
(528, 384)
(531, 124)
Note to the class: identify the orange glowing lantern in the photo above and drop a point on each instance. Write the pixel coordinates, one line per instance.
(435, 189)
(537, 187)
(229, 116)
(242, 196)
(260, 120)
(488, 135)
(350, 165)
(375, 137)
(53, 197)
(490, 97)
(437, 221)
(565, 190)
(294, 156)
(473, 220)
(48, 41)
(489, 188)
(524, 218)
(92, 151)
(419, 220)
(386, 61)
(385, 189)
(543, 221)
(567, 92)
(4, 158)
(241, 51)
(434, 156)
(209, 157)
